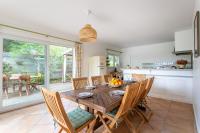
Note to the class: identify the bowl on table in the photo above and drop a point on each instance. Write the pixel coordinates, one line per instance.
(90, 87)
(118, 92)
(85, 95)
(115, 82)
(115, 86)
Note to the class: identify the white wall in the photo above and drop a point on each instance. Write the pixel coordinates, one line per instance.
(196, 81)
(151, 53)
(89, 50)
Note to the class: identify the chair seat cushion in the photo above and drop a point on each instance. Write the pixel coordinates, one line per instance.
(113, 112)
(78, 117)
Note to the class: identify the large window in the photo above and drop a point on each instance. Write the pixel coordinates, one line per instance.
(112, 60)
(23, 71)
(24, 58)
(28, 66)
(61, 62)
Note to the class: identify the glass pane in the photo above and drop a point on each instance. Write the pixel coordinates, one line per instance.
(61, 66)
(111, 60)
(23, 71)
(116, 60)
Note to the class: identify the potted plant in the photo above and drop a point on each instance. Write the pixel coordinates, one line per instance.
(181, 63)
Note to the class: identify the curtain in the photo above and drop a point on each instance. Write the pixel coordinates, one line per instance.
(78, 52)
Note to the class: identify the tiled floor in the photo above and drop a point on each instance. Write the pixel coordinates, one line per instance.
(169, 117)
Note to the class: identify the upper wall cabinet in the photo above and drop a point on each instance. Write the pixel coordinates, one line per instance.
(184, 40)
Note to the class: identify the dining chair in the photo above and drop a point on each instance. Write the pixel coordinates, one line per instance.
(142, 100)
(24, 80)
(71, 122)
(79, 83)
(36, 80)
(14, 78)
(96, 80)
(107, 78)
(5, 85)
(138, 77)
(134, 102)
(122, 111)
(147, 88)
(141, 90)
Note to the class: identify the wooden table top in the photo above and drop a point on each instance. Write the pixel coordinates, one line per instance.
(102, 100)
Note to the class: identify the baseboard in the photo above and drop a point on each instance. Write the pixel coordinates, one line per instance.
(17, 107)
(196, 120)
(170, 97)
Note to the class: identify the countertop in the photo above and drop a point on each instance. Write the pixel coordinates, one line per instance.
(159, 69)
(161, 72)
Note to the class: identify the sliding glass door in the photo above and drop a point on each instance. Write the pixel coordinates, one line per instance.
(23, 72)
(28, 66)
(61, 66)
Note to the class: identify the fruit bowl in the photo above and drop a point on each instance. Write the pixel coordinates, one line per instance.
(115, 86)
(115, 83)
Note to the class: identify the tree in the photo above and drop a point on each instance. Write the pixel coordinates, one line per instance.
(17, 48)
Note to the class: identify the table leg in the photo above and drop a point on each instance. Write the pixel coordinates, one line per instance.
(91, 127)
(98, 123)
(5, 91)
(27, 89)
(13, 82)
(104, 123)
(20, 89)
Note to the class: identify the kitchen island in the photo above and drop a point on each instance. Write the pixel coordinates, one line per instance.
(172, 84)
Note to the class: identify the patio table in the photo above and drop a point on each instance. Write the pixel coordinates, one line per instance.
(15, 79)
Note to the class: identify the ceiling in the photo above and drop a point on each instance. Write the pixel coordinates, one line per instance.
(122, 23)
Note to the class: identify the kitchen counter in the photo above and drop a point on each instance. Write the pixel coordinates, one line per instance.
(171, 84)
(161, 72)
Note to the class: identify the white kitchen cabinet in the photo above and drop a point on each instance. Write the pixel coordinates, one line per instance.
(168, 84)
(184, 40)
(172, 88)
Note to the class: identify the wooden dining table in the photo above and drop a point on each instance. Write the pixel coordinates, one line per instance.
(101, 102)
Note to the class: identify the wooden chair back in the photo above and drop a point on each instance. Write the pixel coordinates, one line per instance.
(26, 78)
(107, 78)
(148, 87)
(129, 96)
(140, 91)
(5, 84)
(96, 80)
(5, 80)
(5, 77)
(79, 83)
(56, 109)
(138, 77)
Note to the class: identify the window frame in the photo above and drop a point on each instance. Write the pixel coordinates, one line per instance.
(43, 42)
(114, 60)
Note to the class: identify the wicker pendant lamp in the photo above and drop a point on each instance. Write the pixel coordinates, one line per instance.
(88, 33)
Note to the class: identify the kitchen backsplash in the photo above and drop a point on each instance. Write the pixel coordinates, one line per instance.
(162, 63)
(158, 54)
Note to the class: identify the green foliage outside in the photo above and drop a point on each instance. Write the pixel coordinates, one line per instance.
(23, 57)
(17, 48)
(35, 54)
(56, 61)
